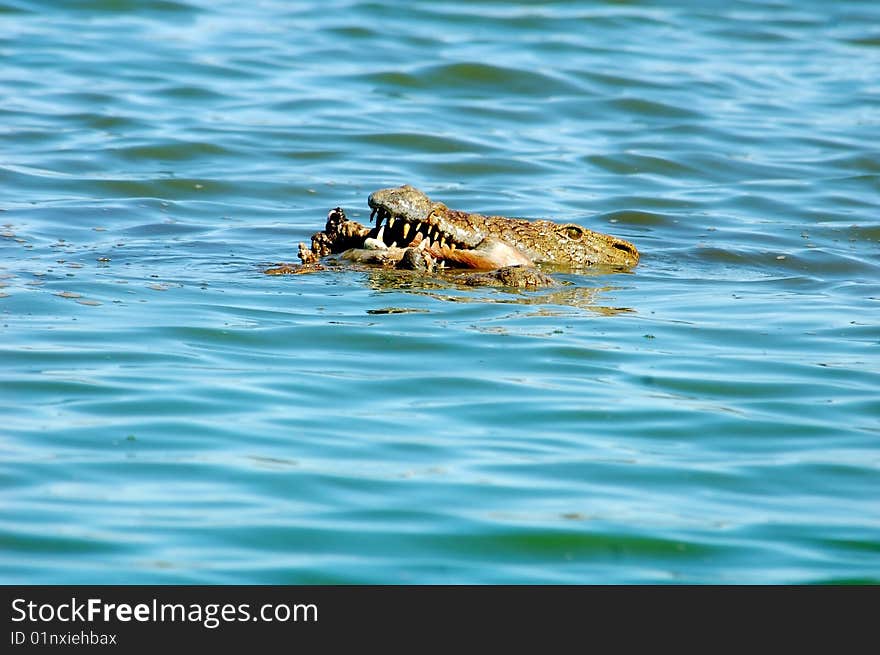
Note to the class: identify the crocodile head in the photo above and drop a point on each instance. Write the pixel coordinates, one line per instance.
(481, 241)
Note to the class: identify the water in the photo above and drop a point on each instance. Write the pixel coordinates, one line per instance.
(172, 415)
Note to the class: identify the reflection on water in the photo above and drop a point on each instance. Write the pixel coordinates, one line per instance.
(584, 298)
(444, 285)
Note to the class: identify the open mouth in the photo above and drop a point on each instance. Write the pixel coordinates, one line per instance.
(405, 233)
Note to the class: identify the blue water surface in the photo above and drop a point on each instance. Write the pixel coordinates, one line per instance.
(170, 414)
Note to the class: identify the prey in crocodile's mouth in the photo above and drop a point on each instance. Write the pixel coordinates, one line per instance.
(400, 232)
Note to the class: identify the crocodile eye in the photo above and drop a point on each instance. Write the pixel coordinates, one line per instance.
(573, 232)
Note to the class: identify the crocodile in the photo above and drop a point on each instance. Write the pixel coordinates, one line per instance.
(414, 232)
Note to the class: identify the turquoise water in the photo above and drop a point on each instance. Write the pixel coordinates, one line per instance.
(172, 415)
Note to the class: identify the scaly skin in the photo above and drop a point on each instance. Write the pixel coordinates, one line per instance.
(493, 241)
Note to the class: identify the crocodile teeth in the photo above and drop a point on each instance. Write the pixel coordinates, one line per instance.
(390, 222)
(422, 244)
(393, 244)
(442, 242)
(405, 230)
